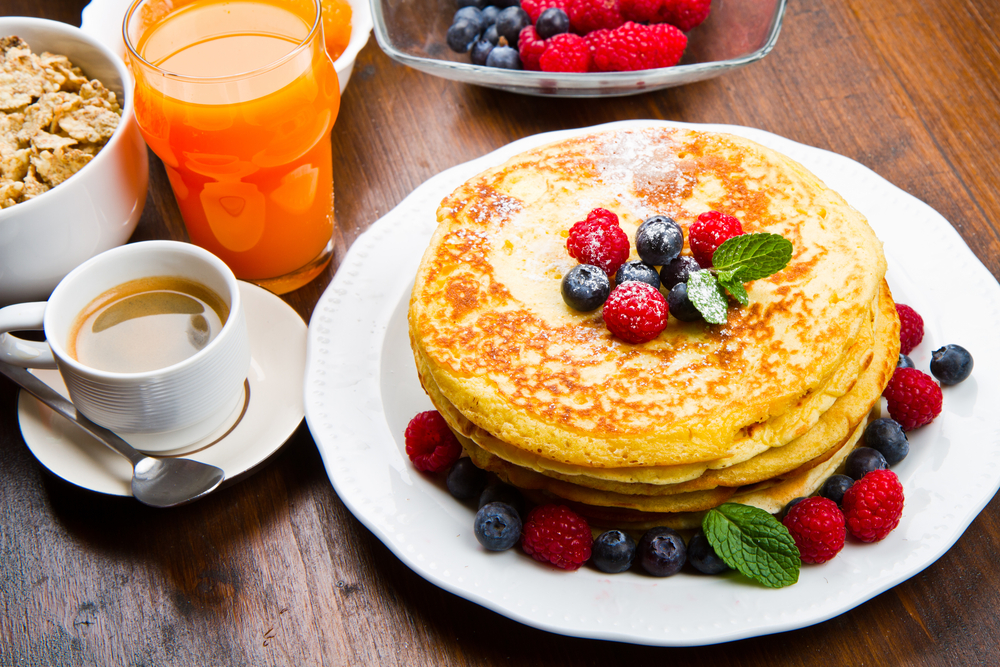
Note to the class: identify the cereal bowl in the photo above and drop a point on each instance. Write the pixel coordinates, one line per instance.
(97, 208)
(734, 35)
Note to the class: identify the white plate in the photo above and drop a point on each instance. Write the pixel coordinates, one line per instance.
(254, 431)
(103, 20)
(362, 388)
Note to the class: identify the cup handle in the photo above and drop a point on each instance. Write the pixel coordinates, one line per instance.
(17, 351)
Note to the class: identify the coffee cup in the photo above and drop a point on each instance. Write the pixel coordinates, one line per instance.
(150, 339)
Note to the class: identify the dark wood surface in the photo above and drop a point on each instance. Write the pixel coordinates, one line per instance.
(276, 571)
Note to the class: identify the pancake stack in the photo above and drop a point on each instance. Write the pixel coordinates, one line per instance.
(758, 410)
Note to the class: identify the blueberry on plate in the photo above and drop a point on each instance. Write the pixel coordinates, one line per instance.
(504, 57)
(502, 493)
(661, 552)
(510, 22)
(613, 552)
(678, 271)
(490, 13)
(680, 306)
(465, 480)
(498, 526)
(702, 556)
(904, 361)
(887, 437)
(862, 461)
(659, 240)
(462, 34)
(481, 51)
(637, 270)
(951, 364)
(553, 21)
(473, 14)
(835, 487)
(584, 287)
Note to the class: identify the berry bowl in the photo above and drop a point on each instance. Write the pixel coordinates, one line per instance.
(735, 34)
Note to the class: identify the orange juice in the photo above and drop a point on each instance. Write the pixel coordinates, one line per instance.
(238, 99)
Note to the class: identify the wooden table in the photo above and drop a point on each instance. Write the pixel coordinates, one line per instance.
(276, 571)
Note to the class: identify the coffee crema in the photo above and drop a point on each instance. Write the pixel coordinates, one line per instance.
(146, 324)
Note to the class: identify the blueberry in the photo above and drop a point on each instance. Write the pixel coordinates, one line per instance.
(659, 240)
(792, 503)
(584, 287)
(490, 34)
(951, 364)
(862, 461)
(680, 306)
(498, 526)
(886, 436)
(553, 21)
(490, 13)
(481, 51)
(462, 34)
(638, 270)
(502, 493)
(465, 480)
(661, 552)
(478, 4)
(504, 57)
(473, 14)
(613, 552)
(510, 22)
(678, 271)
(904, 361)
(702, 556)
(835, 487)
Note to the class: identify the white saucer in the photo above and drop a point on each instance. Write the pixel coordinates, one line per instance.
(256, 429)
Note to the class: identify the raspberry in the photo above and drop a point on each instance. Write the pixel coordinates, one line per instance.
(536, 7)
(633, 46)
(874, 505)
(566, 53)
(636, 312)
(555, 534)
(685, 14)
(911, 328)
(430, 444)
(589, 15)
(817, 526)
(913, 398)
(708, 232)
(530, 47)
(599, 241)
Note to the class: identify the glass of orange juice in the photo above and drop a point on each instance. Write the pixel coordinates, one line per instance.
(237, 98)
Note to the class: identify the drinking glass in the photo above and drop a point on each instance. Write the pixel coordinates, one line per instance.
(237, 98)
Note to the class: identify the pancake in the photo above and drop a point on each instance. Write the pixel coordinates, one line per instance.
(489, 328)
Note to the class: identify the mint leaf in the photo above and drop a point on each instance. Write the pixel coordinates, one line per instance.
(706, 295)
(752, 541)
(734, 285)
(754, 256)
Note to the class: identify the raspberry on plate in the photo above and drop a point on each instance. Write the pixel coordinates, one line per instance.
(430, 444)
(634, 46)
(708, 232)
(874, 505)
(530, 47)
(599, 241)
(911, 328)
(590, 15)
(685, 14)
(817, 526)
(558, 535)
(566, 52)
(636, 312)
(913, 398)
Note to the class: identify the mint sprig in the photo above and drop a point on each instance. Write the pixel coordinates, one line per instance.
(752, 541)
(738, 260)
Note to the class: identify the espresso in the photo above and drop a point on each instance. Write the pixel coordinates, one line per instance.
(146, 324)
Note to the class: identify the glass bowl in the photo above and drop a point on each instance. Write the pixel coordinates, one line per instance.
(736, 33)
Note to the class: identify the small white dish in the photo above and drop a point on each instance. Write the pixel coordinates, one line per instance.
(361, 389)
(102, 19)
(257, 428)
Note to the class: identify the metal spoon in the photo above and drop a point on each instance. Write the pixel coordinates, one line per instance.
(155, 482)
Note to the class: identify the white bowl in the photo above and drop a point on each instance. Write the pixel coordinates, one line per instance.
(43, 239)
(103, 19)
